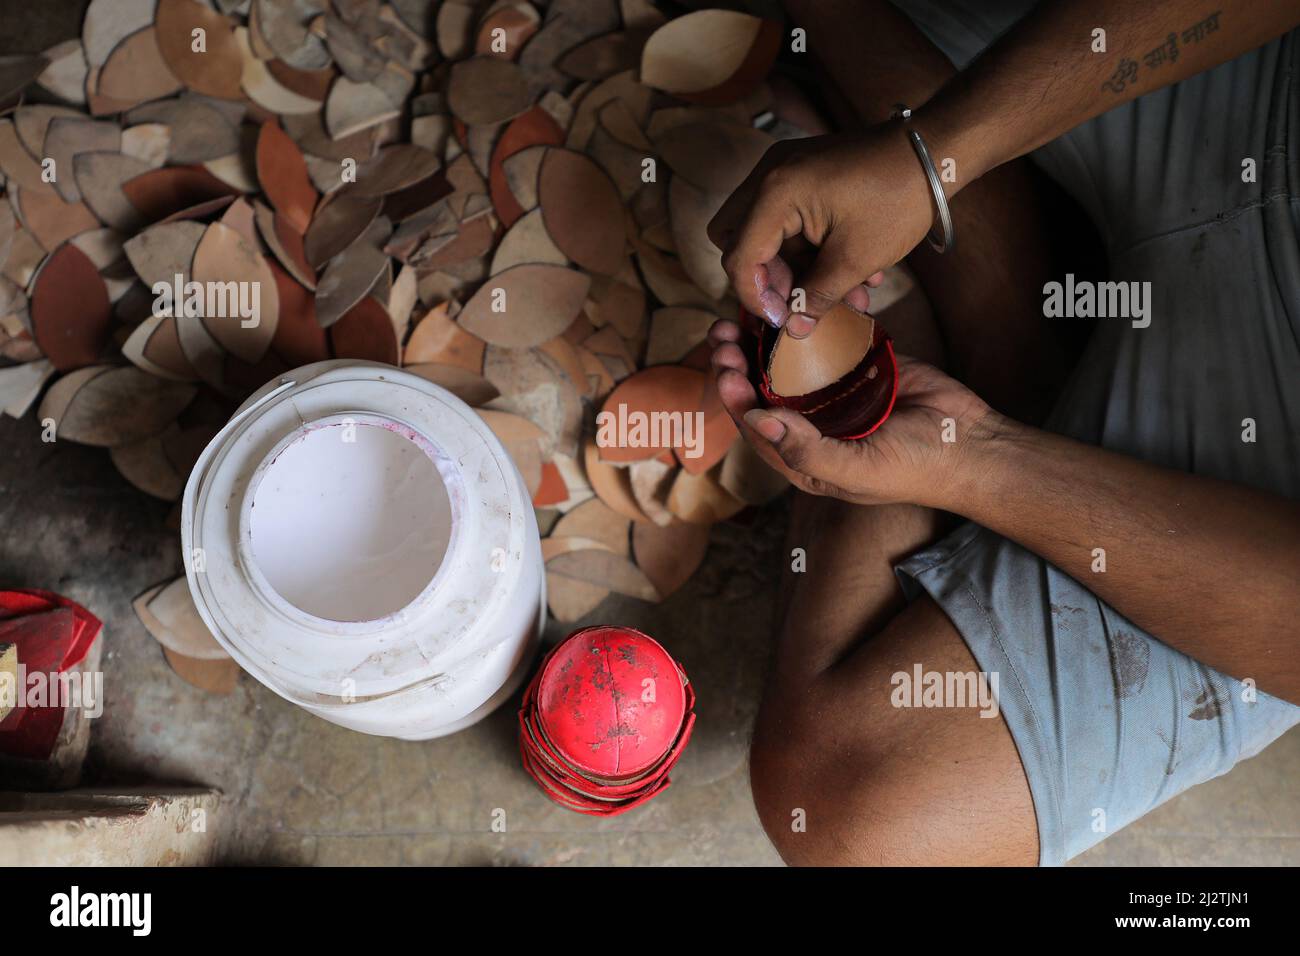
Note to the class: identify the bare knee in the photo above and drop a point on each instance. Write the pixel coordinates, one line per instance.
(813, 793)
(777, 774)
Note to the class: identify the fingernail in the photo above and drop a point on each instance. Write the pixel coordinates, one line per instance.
(774, 308)
(800, 325)
(763, 423)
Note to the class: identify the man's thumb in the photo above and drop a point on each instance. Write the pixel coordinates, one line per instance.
(800, 445)
(830, 279)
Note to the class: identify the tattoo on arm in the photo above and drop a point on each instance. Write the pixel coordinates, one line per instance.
(1125, 74)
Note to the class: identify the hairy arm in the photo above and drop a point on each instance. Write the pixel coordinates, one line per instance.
(1044, 77)
(1209, 567)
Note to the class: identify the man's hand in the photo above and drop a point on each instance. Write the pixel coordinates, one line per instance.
(862, 198)
(906, 460)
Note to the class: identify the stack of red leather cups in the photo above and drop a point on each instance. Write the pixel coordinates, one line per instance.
(605, 719)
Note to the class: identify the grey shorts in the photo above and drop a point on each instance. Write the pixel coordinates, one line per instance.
(1109, 721)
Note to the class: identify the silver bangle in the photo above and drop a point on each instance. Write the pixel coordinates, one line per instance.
(945, 241)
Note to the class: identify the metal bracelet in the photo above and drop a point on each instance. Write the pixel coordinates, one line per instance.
(945, 241)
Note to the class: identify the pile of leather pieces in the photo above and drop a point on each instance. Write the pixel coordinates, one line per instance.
(604, 720)
(506, 198)
(168, 613)
(48, 646)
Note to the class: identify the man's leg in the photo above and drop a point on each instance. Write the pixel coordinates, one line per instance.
(839, 774)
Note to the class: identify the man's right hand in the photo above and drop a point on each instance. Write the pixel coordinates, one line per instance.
(906, 460)
(861, 198)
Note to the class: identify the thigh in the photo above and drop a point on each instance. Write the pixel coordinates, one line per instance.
(844, 768)
(850, 770)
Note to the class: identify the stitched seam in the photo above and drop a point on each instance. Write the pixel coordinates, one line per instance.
(943, 559)
(842, 395)
(1280, 195)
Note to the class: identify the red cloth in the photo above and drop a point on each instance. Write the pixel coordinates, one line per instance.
(52, 634)
(29, 600)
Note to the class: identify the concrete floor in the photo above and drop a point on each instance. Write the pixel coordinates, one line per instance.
(300, 790)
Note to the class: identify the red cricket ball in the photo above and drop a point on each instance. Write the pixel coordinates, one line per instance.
(611, 703)
(860, 393)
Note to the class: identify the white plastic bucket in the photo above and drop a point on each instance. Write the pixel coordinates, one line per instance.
(393, 581)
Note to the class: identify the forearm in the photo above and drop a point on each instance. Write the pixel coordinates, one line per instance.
(1044, 77)
(1210, 568)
